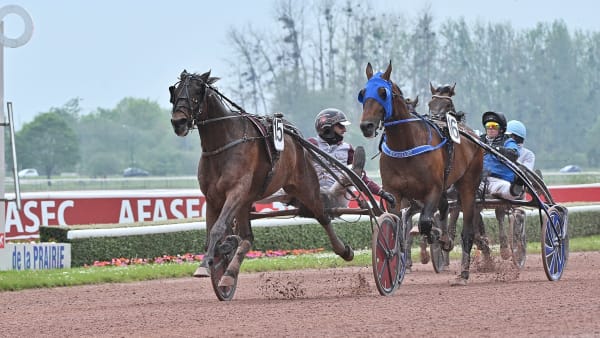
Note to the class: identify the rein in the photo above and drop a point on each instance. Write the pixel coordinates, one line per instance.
(197, 122)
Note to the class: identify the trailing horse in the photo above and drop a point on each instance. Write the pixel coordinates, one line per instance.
(419, 163)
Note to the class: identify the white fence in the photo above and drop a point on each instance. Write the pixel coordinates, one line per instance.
(156, 229)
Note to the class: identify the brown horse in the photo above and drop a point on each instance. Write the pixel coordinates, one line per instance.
(441, 103)
(238, 167)
(418, 163)
(411, 105)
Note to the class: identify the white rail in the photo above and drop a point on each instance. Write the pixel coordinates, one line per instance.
(157, 229)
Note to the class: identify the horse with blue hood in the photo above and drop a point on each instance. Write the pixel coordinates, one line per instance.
(416, 164)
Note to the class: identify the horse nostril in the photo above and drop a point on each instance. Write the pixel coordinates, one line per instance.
(365, 126)
(179, 122)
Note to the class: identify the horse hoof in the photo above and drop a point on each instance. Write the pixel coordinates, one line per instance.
(447, 243)
(229, 245)
(459, 281)
(227, 281)
(348, 254)
(505, 253)
(201, 272)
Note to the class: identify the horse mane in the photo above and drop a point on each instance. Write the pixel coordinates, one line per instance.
(396, 87)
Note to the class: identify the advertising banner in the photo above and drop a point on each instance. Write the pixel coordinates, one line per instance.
(35, 256)
(70, 208)
(103, 207)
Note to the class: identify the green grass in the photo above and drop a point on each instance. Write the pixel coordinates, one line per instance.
(19, 280)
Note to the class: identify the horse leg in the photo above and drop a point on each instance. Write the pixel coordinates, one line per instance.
(407, 215)
(504, 251)
(423, 253)
(211, 216)
(426, 220)
(467, 197)
(246, 238)
(453, 219)
(446, 241)
(218, 231)
(312, 201)
(483, 242)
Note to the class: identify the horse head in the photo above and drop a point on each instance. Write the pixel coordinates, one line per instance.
(187, 97)
(412, 104)
(382, 100)
(441, 100)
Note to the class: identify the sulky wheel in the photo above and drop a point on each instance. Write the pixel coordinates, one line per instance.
(555, 242)
(217, 270)
(438, 256)
(388, 254)
(518, 241)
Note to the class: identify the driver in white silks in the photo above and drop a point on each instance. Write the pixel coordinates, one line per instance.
(330, 125)
(518, 132)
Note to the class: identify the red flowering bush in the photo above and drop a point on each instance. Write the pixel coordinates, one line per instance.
(198, 257)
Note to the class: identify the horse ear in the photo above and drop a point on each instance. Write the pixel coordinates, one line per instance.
(417, 101)
(204, 77)
(212, 80)
(369, 71)
(388, 72)
(183, 74)
(431, 88)
(452, 89)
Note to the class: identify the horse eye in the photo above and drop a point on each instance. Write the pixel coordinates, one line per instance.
(382, 93)
(361, 96)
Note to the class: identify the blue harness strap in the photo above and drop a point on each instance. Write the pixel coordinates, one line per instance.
(418, 149)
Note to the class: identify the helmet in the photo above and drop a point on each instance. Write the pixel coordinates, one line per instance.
(517, 128)
(327, 118)
(495, 117)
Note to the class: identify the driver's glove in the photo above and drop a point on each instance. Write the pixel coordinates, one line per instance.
(388, 197)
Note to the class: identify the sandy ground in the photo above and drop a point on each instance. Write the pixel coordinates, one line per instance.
(322, 303)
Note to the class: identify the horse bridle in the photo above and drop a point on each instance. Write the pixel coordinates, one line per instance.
(451, 110)
(195, 120)
(188, 102)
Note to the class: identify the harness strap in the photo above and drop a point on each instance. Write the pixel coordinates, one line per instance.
(229, 145)
(410, 152)
(418, 149)
(216, 119)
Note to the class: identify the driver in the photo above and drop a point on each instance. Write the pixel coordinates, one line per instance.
(330, 125)
(499, 177)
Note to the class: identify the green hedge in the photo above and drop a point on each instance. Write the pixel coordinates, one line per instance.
(309, 236)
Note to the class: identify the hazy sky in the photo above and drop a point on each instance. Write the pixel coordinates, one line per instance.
(105, 50)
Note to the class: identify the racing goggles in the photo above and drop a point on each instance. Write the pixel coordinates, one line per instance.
(492, 125)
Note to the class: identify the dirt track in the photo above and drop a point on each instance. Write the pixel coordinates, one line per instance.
(332, 303)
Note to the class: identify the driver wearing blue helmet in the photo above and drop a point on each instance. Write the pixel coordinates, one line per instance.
(517, 131)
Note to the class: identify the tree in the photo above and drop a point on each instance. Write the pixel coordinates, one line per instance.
(137, 133)
(49, 144)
